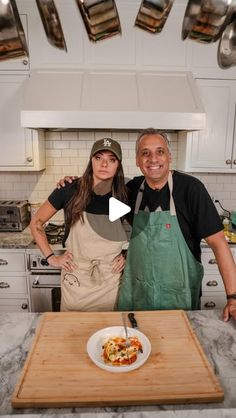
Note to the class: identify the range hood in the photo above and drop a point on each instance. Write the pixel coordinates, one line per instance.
(103, 99)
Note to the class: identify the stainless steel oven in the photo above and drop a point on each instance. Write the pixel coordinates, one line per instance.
(44, 283)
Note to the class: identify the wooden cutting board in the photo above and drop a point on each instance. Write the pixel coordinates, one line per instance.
(59, 373)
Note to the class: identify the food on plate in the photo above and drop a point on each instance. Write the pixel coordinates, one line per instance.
(117, 353)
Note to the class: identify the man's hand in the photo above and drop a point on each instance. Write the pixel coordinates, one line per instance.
(230, 310)
(69, 179)
(118, 264)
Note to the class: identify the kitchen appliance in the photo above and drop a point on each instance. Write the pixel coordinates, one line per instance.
(12, 37)
(94, 99)
(51, 23)
(59, 373)
(14, 215)
(152, 15)
(45, 280)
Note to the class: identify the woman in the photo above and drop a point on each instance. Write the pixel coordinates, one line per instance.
(92, 264)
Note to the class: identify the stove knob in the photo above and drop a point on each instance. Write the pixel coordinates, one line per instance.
(34, 263)
(44, 262)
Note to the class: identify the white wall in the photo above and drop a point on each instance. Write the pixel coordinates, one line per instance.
(68, 152)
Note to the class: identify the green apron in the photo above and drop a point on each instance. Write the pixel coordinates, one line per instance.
(160, 272)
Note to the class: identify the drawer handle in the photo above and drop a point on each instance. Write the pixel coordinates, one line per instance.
(210, 305)
(212, 283)
(24, 306)
(4, 285)
(212, 261)
(3, 262)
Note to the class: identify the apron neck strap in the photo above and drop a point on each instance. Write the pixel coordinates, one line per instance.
(140, 196)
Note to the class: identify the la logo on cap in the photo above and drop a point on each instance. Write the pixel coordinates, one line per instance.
(106, 143)
(117, 209)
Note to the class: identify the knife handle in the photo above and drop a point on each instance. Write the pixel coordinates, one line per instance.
(132, 320)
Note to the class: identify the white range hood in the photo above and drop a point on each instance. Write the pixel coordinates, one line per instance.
(102, 99)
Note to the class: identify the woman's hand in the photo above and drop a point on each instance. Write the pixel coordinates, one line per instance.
(69, 179)
(230, 310)
(118, 264)
(64, 261)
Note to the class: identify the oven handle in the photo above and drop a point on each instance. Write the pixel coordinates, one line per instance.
(44, 286)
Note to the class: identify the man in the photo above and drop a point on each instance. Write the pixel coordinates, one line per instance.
(172, 212)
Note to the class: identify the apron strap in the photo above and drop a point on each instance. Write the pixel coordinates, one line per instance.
(158, 209)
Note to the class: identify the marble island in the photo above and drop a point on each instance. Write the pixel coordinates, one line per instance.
(218, 340)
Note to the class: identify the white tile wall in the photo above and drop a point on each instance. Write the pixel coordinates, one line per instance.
(67, 153)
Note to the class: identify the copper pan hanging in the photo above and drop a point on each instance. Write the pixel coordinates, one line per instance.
(226, 55)
(153, 14)
(51, 23)
(12, 37)
(205, 20)
(100, 18)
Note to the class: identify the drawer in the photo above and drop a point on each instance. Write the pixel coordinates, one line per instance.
(213, 300)
(14, 305)
(209, 262)
(212, 283)
(10, 285)
(12, 261)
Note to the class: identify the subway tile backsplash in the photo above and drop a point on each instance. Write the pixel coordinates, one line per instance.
(67, 152)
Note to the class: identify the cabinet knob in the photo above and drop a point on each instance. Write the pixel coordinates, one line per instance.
(212, 283)
(4, 285)
(210, 305)
(3, 262)
(29, 159)
(25, 62)
(228, 162)
(24, 306)
(234, 162)
(212, 261)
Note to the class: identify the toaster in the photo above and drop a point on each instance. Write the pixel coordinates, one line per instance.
(14, 215)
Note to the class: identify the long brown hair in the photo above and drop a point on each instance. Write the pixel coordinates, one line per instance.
(77, 205)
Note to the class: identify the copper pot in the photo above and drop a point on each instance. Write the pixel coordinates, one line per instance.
(227, 46)
(100, 17)
(51, 23)
(152, 15)
(12, 37)
(205, 20)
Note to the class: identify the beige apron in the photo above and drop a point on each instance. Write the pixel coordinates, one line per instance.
(92, 286)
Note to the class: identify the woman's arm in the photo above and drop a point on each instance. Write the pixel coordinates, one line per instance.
(44, 213)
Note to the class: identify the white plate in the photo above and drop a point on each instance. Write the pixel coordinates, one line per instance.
(96, 341)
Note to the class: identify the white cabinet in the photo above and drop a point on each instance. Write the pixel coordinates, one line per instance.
(213, 291)
(14, 294)
(23, 148)
(21, 63)
(212, 149)
(42, 53)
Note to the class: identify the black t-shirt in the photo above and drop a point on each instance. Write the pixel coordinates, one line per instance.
(196, 213)
(59, 198)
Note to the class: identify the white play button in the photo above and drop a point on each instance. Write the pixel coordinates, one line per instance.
(117, 209)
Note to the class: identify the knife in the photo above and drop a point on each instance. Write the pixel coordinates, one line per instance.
(134, 324)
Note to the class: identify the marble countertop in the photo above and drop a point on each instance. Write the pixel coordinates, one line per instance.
(16, 239)
(217, 338)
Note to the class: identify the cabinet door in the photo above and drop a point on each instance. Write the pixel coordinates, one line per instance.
(14, 305)
(21, 147)
(211, 149)
(21, 63)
